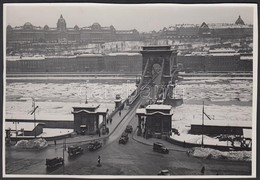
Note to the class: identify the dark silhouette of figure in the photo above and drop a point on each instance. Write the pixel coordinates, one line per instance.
(99, 161)
(119, 113)
(202, 170)
(99, 134)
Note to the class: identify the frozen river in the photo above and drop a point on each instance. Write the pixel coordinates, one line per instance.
(224, 99)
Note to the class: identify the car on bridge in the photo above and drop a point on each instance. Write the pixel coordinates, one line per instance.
(124, 138)
(129, 129)
(159, 147)
(94, 145)
(51, 163)
(75, 150)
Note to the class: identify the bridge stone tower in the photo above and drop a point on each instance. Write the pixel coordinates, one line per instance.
(158, 64)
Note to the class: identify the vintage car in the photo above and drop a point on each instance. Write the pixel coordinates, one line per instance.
(175, 131)
(164, 172)
(75, 150)
(159, 147)
(129, 129)
(50, 163)
(83, 129)
(124, 138)
(94, 145)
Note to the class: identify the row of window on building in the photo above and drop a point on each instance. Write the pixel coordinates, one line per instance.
(124, 63)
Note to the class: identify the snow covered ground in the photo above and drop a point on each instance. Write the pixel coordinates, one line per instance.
(224, 101)
(215, 154)
(50, 132)
(31, 144)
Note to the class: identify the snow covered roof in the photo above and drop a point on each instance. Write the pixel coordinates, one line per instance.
(142, 111)
(159, 107)
(13, 58)
(67, 57)
(27, 126)
(247, 124)
(222, 51)
(247, 133)
(102, 110)
(186, 25)
(156, 108)
(37, 57)
(123, 54)
(99, 110)
(227, 25)
(89, 108)
(88, 105)
(246, 57)
(90, 55)
(224, 54)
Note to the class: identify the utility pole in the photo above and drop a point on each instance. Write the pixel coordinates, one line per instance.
(33, 112)
(63, 156)
(202, 132)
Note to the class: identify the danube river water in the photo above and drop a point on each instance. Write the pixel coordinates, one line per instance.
(225, 99)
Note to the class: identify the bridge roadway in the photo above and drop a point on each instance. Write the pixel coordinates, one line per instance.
(134, 158)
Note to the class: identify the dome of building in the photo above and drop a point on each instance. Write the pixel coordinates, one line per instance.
(96, 26)
(239, 21)
(28, 25)
(112, 27)
(135, 31)
(9, 28)
(46, 27)
(61, 24)
(61, 19)
(76, 27)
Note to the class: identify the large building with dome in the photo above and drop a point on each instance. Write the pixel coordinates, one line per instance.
(238, 29)
(98, 34)
(90, 34)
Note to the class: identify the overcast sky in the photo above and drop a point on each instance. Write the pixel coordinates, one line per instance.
(141, 17)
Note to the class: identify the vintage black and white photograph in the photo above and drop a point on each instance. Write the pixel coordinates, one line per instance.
(129, 90)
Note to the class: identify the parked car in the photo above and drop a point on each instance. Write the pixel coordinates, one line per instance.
(75, 150)
(164, 172)
(94, 145)
(50, 163)
(129, 129)
(159, 147)
(175, 131)
(124, 138)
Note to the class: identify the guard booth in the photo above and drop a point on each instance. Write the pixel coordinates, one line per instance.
(89, 118)
(155, 121)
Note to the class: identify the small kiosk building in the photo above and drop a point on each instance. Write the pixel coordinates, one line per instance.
(155, 120)
(89, 118)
